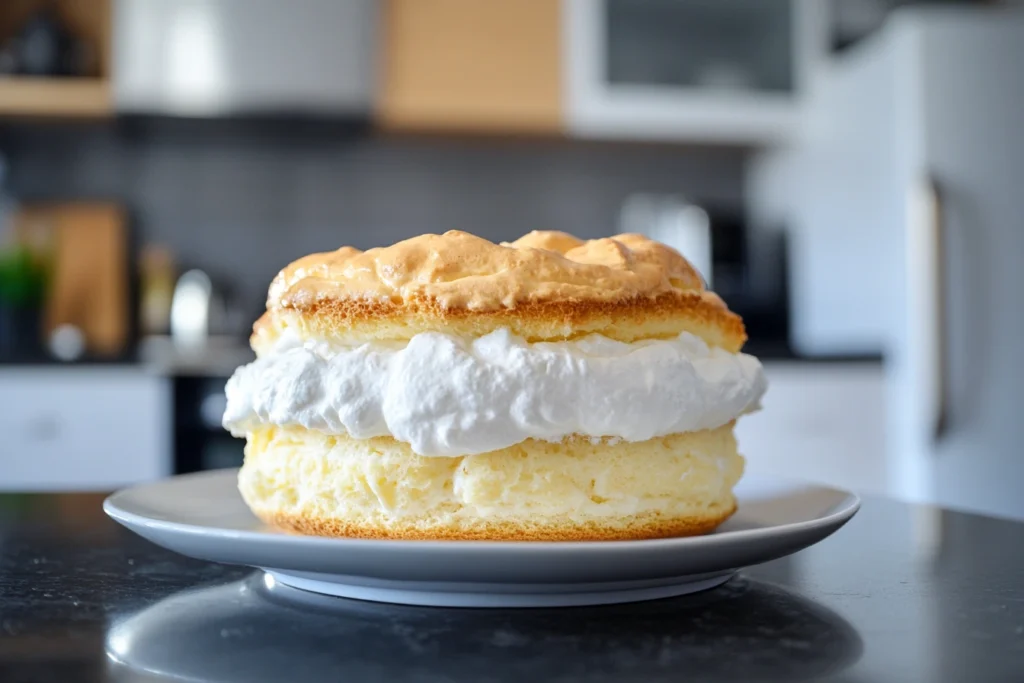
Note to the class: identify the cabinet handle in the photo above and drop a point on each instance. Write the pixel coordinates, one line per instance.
(44, 427)
(940, 366)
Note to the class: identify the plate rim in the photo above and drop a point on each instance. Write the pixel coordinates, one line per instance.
(115, 510)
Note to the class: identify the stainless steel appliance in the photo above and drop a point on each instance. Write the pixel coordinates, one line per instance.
(200, 442)
(228, 57)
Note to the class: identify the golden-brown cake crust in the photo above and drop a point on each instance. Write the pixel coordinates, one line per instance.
(545, 286)
(640, 527)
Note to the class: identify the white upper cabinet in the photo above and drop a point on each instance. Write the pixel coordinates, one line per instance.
(724, 71)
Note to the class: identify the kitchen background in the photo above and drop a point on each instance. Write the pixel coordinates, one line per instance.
(844, 173)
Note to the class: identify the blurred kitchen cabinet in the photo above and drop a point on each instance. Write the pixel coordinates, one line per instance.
(471, 65)
(83, 428)
(86, 94)
(728, 71)
(822, 421)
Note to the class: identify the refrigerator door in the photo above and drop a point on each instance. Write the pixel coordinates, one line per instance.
(972, 101)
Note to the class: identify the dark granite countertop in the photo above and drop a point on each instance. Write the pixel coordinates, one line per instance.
(902, 593)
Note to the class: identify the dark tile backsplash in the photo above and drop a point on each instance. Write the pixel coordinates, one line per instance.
(242, 206)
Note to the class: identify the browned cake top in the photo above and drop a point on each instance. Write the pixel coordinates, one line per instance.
(543, 286)
(460, 271)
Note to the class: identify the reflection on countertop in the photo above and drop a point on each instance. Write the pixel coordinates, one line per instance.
(774, 632)
(901, 593)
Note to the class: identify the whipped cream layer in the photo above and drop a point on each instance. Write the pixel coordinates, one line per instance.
(447, 396)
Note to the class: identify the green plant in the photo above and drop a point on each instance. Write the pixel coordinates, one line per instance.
(24, 276)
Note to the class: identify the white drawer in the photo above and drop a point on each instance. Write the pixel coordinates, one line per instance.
(82, 428)
(821, 422)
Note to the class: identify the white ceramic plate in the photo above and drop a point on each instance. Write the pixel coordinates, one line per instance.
(202, 515)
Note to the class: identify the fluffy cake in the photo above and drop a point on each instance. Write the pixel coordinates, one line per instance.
(447, 387)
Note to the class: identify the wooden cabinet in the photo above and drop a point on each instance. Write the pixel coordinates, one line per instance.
(729, 71)
(471, 65)
(78, 97)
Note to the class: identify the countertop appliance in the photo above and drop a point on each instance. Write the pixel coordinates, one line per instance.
(682, 225)
(747, 270)
(211, 58)
(905, 194)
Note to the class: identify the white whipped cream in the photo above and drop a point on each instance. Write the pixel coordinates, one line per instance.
(447, 396)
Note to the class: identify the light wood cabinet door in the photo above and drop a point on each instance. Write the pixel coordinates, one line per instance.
(472, 65)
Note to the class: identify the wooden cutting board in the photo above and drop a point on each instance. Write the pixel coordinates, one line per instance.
(89, 286)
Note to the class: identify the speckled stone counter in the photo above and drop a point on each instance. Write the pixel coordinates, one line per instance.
(902, 593)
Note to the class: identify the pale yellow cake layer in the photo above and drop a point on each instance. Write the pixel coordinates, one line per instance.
(578, 489)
